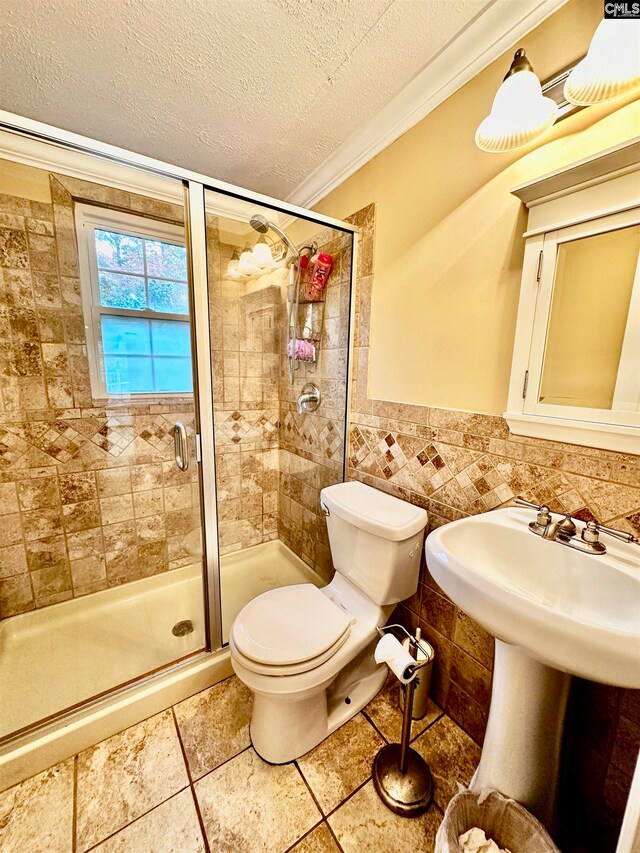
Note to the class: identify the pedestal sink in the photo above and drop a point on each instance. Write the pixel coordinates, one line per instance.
(555, 612)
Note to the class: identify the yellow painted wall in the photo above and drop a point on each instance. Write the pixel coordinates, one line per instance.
(448, 251)
(24, 182)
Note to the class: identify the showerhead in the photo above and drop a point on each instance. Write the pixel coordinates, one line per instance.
(259, 223)
(262, 225)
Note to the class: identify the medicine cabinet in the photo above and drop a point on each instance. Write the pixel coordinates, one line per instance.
(576, 366)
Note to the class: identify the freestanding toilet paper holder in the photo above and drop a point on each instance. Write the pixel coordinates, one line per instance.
(400, 775)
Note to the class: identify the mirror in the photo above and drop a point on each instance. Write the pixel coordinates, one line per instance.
(575, 373)
(592, 348)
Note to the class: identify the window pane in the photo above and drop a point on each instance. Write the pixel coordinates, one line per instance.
(116, 251)
(128, 374)
(170, 297)
(125, 336)
(122, 291)
(171, 337)
(173, 374)
(166, 260)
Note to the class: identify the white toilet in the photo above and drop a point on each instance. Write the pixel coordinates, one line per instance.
(307, 653)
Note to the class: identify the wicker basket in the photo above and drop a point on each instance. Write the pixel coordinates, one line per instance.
(506, 821)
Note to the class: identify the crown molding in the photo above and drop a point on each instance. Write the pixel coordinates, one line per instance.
(486, 38)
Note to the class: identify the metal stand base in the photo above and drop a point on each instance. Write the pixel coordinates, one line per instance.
(407, 794)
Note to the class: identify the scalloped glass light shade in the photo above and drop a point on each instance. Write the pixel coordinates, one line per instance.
(611, 67)
(246, 265)
(262, 256)
(519, 114)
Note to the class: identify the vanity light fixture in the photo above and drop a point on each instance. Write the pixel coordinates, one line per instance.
(520, 112)
(232, 266)
(262, 255)
(247, 265)
(611, 67)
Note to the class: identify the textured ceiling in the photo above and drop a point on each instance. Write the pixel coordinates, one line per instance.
(256, 92)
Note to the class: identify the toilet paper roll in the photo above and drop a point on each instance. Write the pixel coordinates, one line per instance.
(398, 660)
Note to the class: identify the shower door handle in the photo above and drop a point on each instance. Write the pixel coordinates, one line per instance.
(180, 446)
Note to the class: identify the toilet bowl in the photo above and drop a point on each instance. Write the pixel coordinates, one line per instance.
(307, 653)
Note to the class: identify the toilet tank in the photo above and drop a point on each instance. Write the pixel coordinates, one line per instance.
(376, 540)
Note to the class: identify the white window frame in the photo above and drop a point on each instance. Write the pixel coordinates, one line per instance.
(88, 218)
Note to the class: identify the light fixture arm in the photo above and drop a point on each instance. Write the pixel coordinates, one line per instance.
(520, 63)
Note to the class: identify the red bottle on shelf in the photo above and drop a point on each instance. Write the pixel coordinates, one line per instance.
(317, 277)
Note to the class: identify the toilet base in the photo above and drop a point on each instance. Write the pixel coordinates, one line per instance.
(284, 728)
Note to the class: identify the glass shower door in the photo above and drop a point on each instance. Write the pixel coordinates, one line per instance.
(273, 336)
(101, 557)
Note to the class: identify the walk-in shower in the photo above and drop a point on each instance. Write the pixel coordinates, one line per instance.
(155, 473)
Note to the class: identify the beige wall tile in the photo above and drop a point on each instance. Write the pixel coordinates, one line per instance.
(146, 477)
(46, 552)
(80, 516)
(13, 561)
(41, 492)
(79, 487)
(8, 498)
(148, 503)
(85, 543)
(115, 509)
(113, 482)
(16, 595)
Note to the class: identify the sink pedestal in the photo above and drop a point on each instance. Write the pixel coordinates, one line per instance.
(521, 751)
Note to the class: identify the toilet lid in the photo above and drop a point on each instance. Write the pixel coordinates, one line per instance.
(289, 625)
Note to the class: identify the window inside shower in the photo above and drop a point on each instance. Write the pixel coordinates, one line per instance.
(133, 278)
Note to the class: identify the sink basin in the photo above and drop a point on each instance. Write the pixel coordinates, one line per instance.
(577, 612)
(555, 612)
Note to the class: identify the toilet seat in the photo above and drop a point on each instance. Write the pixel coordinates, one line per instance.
(290, 629)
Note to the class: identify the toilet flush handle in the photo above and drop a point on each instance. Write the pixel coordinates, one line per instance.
(324, 507)
(417, 545)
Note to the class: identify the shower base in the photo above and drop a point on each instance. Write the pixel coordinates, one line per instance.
(61, 656)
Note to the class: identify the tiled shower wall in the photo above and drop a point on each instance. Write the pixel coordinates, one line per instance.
(245, 339)
(457, 464)
(90, 496)
(272, 462)
(312, 445)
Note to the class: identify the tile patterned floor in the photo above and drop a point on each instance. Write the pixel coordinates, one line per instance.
(188, 781)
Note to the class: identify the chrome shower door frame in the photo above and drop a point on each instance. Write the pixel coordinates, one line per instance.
(203, 380)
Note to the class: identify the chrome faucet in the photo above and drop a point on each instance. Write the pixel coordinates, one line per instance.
(565, 531)
(545, 526)
(309, 399)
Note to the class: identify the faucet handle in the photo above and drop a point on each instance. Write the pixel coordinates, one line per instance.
(522, 502)
(622, 535)
(590, 532)
(543, 519)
